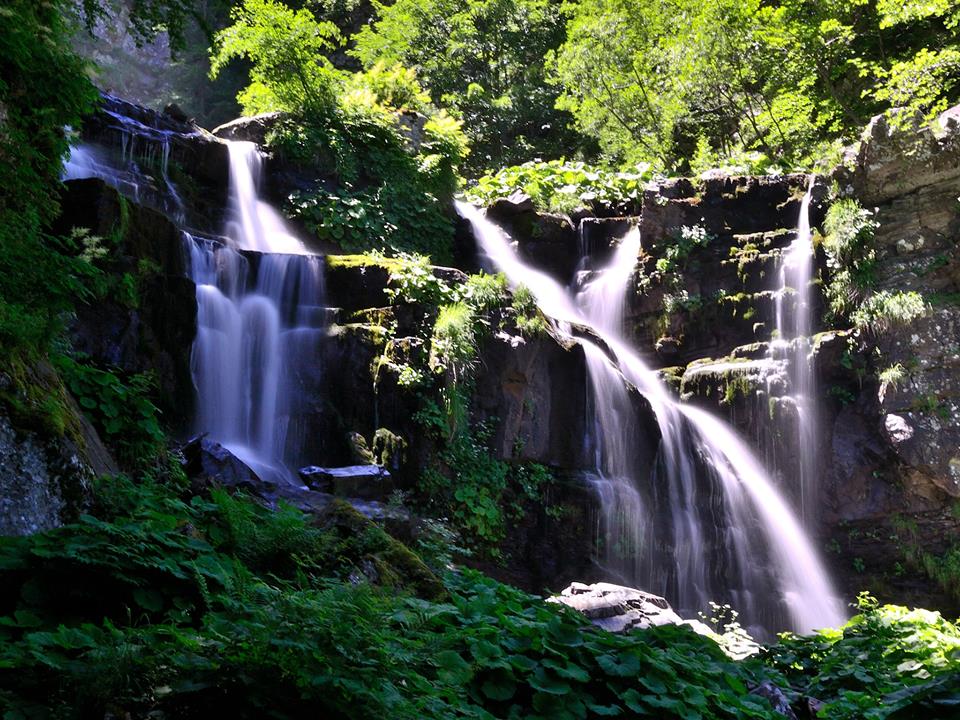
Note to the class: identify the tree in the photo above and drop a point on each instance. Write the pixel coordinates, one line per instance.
(655, 79)
(483, 60)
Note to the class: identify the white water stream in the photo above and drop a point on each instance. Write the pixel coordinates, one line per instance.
(794, 307)
(260, 321)
(700, 520)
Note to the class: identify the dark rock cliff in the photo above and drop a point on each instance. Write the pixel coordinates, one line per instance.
(890, 468)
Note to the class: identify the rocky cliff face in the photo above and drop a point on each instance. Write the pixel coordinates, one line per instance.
(701, 312)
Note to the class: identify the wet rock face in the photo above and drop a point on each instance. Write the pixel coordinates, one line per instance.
(547, 241)
(156, 334)
(151, 140)
(46, 465)
(718, 294)
(910, 175)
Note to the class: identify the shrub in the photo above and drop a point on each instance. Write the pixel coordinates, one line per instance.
(453, 345)
(851, 255)
(886, 310)
(120, 409)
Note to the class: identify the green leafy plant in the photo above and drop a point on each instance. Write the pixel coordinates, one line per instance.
(120, 409)
(563, 186)
(887, 310)
(851, 255)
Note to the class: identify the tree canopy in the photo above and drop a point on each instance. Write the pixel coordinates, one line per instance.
(655, 79)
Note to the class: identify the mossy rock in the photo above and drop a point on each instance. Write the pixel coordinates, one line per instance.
(36, 399)
(365, 545)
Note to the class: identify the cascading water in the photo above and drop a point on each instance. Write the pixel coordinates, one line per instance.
(260, 321)
(139, 144)
(260, 313)
(701, 520)
(793, 305)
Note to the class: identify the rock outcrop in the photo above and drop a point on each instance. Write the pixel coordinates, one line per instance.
(153, 331)
(49, 452)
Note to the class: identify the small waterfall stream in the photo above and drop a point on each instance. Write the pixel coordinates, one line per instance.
(794, 325)
(702, 521)
(260, 313)
(260, 322)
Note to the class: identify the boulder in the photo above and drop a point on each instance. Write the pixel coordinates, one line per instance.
(250, 129)
(49, 451)
(207, 462)
(618, 608)
(364, 482)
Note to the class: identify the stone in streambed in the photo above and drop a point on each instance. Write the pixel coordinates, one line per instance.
(208, 462)
(366, 482)
(620, 609)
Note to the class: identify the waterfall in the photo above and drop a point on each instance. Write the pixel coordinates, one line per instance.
(701, 520)
(260, 321)
(793, 306)
(260, 313)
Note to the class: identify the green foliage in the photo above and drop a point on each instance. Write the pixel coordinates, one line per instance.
(529, 320)
(413, 280)
(851, 255)
(885, 662)
(188, 606)
(485, 292)
(287, 54)
(562, 186)
(891, 377)
(945, 569)
(471, 491)
(483, 60)
(886, 310)
(43, 88)
(397, 217)
(685, 241)
(454, 345)
(120, 409)
(748, 80)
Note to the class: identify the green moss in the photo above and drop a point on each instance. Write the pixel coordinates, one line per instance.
(361, 260)
(37, 400)
(672, 376)
(360, 540)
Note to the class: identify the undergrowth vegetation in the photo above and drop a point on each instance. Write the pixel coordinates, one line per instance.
(160, 601)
